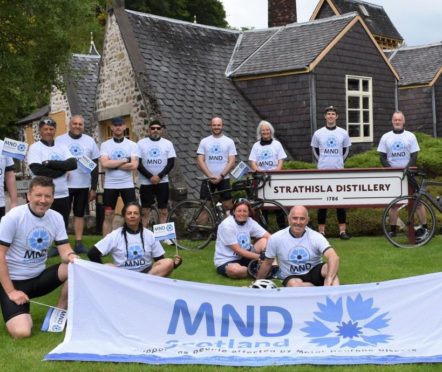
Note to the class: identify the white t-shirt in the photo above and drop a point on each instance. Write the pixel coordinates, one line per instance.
(85, 145)
(296, 256)
(39, 152)
(5, 161)
(267, 156)
(134, 256)
(154, 155)
(216, 151)
(398, 147)
(229, 233)
(118, 178)
(29, 238)
(331, 143)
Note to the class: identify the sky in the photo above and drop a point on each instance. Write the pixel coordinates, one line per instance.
(419, 22)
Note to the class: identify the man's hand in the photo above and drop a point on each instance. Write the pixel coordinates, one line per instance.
(155, 180)
(18, 297)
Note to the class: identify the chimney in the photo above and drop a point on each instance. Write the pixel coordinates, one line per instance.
(281, 12)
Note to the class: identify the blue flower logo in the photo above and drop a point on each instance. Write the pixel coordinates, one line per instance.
(76, 150)
(359, 325)
(21, 147)
(244, 240)
(216, 149)
(398, 146)
(266, 154)
(298, 255)
(155, 152)
(332, 142)
(55, 156)
(118, 154)
(134, 252)
(169, 227)
(39, 239)
(56, 328)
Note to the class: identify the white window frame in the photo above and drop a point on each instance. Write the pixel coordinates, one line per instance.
(360, 94)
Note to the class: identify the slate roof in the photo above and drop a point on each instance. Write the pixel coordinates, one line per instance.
(286, 48)
(418, 64)
(377, 19)
(185, 65)
(35, 115)
(82, 86)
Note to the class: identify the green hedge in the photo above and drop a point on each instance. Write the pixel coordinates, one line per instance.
(367, 221)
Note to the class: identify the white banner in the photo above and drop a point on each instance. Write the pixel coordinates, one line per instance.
(14, 149)
(116, 315)
(335, 188)
(164, 231)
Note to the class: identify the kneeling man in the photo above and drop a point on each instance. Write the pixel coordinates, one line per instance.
(299, 251)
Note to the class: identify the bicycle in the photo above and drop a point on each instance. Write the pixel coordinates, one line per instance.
(411, 211)
(196, 221)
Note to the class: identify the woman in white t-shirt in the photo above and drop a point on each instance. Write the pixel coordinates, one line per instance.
(134, 247)
(234, 247)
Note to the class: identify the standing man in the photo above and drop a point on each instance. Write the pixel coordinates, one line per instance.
(7, 177)
(399, 148)
(216, 158)
(157, 156)
(299, 252)
(46, 158)
(331, 146)
(26, 233)
(82, 183)
(118, 158)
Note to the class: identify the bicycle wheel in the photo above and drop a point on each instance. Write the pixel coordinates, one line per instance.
(194, 224)
(270, 214)
(409, 232)
(154, 217)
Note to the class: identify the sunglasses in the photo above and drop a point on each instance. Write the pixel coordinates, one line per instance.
(155, 128)
(47, 122)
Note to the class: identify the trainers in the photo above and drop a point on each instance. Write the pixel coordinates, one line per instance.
(79, 248)
(168, 242)
(421, 234)
(392, 234)
(53, 252)
(344, 236)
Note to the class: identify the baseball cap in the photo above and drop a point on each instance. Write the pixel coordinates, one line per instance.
(117, 121)
(330, 108)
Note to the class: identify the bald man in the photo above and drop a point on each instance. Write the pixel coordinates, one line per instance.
(300, 251)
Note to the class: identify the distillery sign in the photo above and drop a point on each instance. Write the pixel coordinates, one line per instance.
(349, 187)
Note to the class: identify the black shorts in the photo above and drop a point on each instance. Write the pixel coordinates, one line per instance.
(110, 196)
(2, 212)
(222, 269)
(223, 185)
(148, 194)
(313, 276)
(39, 286)
(62, 206)
(80, 199)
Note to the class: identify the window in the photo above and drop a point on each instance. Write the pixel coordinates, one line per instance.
(359, 108)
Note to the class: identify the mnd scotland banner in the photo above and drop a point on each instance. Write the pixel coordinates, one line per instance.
(116, 315)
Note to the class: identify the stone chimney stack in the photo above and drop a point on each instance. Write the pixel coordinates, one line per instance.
(281, 12)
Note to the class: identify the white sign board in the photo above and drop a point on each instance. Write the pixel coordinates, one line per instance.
(14, 149)
(335, 188)
(164, 231)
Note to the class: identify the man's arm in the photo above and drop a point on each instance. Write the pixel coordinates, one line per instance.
(201, 159)
(67, 254)
(112, 164)
(11, 185)
(413, 160)
(41, 170)
(316, 153)
(384, 160)
(264, 268)
(229, 166)
(63, 165)
(280, 165)
(18, 297)
(132, 165)
(345, 152)
(142, 169)
(333, 266)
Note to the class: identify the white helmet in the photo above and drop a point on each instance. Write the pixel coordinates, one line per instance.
(263, 284)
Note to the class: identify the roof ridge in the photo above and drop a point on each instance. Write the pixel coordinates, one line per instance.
(367, 3)
(86, 55)
(185, 23)
(435, 44)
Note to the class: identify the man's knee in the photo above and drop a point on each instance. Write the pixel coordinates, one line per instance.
(236, 271)
(63, 272)
(20, 326)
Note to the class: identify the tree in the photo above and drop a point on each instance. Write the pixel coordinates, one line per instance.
(36, 42)
(207, 12)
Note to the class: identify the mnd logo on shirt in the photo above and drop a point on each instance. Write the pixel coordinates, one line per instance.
(135, 256)
(398, 149)
(76, 150)
(299, 257)
(154, 157)
(216, 153)
(38, 240)
(244, 240)
(331, 148)
(118, 154)
(265, 159)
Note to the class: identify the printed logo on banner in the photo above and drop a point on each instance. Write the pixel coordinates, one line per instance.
(14, 149)
(357, 324)
(55, 320)
(164, 231)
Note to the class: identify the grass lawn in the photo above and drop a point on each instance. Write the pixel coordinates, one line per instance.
(363, 259)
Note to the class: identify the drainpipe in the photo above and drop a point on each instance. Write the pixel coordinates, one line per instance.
(433, 109)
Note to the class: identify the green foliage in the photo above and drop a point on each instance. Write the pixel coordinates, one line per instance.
(367, 159)
(296, 164)
(206, 12)
(36, 41)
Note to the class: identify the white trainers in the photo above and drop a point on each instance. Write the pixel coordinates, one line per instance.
(422, 234)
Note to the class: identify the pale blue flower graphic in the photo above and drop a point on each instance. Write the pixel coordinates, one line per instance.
(118, 154)
(266, 154)
(216, 149)
(76, 150)
(155, 152)
(21, 147)
(356, 324)
(39, 239)
(55, 156)
(398, 146)
(331, 142)
(298, 255)
(244, 240)
(134, 252)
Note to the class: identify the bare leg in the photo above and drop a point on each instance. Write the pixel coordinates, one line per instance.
(163, 215)
(145, 216)
(162, 267)
(296, 282)
(20, 326)
(107, 222)
(63, 276)
(78, 227)
(236, 271)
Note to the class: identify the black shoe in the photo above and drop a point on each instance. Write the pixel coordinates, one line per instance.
(344, 236)
(79, 248)
(53, 252)
(421, 234)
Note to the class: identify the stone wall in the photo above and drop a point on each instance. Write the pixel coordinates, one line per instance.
(117, 91)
